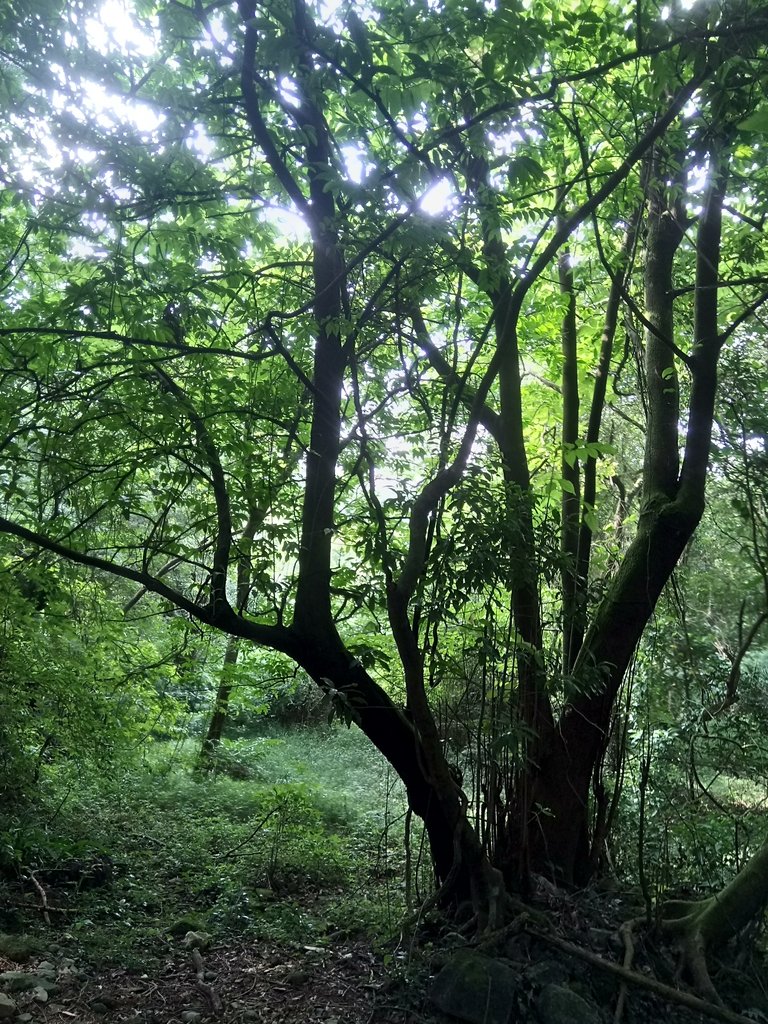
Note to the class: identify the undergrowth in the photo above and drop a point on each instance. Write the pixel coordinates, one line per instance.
(303, 845)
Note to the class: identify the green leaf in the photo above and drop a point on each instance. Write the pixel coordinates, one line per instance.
(756, 122)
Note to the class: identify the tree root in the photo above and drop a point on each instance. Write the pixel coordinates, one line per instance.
(658, 988)
(208, 990)
(629, 954)
(683, 924)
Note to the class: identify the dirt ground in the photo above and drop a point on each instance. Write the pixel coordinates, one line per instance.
(248, 983)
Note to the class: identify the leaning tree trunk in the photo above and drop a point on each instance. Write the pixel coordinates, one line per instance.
(218, 719)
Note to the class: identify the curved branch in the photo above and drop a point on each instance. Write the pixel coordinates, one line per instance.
(569, 224)
(256, 120)
(128, 339)
(223, 543)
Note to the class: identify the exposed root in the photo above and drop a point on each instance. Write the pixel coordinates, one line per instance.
(658, 988)
(683, 921)
(694, 959)
(625, 933)
(208, 990)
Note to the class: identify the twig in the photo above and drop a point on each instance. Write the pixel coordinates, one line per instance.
(260, 825)
(30, 874)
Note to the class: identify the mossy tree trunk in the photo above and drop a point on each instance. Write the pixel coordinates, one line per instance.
(706, 925)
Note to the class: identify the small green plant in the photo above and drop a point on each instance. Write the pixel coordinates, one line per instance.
(290, 852)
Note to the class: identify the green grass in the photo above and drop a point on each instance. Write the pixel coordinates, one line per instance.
(301, 849)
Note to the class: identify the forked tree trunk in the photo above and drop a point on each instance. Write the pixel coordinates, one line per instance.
(673, 503)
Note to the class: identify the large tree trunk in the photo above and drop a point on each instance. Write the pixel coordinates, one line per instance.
(460, 863)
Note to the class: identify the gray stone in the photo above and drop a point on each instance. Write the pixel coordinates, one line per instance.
(39, 994)
(7, 1006)
(559, 1005)
(604, 938)
(191, 1017)
(476, 989)
(547, 972)
(46, 968)
(197, 940)
(23, 981)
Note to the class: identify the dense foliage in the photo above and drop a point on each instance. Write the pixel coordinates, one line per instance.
(401, 342)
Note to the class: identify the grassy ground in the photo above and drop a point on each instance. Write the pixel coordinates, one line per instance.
(298, 838)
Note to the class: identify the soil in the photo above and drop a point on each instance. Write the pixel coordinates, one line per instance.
(353, 982)
(250, 983)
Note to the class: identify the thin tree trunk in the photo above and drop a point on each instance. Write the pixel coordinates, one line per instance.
(569, 469)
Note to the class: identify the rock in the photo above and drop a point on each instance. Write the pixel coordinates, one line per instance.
(298, 977)
(604, 938)
(39, 994)
(558, 1005)
(7, 1006)
(24, 1018)
(547, 972)
(18, 947)
(476, 989)
(23, 981)
(188, 923)
(191, 1017)
(197, 940)
(46, 968)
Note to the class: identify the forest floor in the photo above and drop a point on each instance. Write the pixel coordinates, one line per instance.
(362, 981)
(291, 869)
(248, 982)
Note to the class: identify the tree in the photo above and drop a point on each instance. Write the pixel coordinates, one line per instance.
(414, 385)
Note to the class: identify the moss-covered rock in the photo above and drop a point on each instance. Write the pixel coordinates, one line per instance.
(18, 948)
(476, 988)
(188, 923)
(559, 1005)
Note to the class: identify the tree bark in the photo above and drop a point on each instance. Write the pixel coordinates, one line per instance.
(673, 503)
